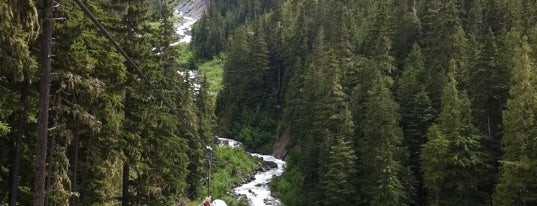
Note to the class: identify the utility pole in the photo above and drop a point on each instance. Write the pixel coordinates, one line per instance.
(44, 99)
(209, 161)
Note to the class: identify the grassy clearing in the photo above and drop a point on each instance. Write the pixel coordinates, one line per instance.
(212, 69)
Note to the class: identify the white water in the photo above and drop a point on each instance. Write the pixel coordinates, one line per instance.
(184, 28)
(258, 191)
(190, 11)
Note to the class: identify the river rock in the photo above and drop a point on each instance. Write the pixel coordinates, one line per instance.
(267, 165)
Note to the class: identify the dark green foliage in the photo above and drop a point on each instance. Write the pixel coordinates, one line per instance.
(444, 39)
(453, 159)
(102, 114)
(381, 155)
(219, 22)
(416, 112)
(247, 104)
(19, 30)
(373, 118)
(517, 165)
(341, 169)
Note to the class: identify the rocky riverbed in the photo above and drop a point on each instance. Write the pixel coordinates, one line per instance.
(256, 187)
(190, 12)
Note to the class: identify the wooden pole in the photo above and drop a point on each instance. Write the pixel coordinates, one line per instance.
(209, 161)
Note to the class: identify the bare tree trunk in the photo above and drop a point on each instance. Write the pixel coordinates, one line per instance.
(44, 99)
(125, 189)
(18, 146)
(126, 171)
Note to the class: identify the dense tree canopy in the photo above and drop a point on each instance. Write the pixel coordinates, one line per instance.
(111, 137)
(395, 102)
(425, 83)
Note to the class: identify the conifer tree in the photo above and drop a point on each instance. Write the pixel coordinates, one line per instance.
(329, 120)
(444, 39)
(407, 26)
(314, 119)
(380, 151)
(416, 112)
(516, 184)
(231, 100)
(19, 23)
(336, 182)
(208, 34)
(82, 83)
(381, 148)
(453, 159)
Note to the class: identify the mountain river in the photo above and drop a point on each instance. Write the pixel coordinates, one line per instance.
(258, 191)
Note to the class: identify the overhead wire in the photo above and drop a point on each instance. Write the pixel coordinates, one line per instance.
(131, 63)
(144, 77)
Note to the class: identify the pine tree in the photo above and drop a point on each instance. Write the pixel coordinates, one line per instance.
(336, 182)
(230, 101)
(314, 121)
(517, 165)
(416, 112)
(208, 34)
(444, 39)
(453, 159)
(380, 151)
(19, 23)
(488, 93)
(78, 93)
(407, 26)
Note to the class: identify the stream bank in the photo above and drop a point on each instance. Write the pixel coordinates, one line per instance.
(256, 189)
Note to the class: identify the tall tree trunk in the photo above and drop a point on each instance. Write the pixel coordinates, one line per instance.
(125, 190)
(18, 145)
(44, 99)
(76, 140)
(48, 174)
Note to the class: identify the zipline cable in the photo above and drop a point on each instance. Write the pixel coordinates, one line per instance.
(153, 87)
(134, 66)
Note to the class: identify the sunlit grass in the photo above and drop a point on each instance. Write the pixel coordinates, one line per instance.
(230, 166)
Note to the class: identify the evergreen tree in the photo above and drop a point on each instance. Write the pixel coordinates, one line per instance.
(317, 132)
(83, 84)
(517, 165)
(453, 159)
(19, 25)
(231, 99)
(416, 113)
(407, 26)
(444, 39)
(381, 150)
(208, 34)
(336, 182)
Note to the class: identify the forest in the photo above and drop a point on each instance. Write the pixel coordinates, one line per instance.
(116, 133)
(393, 102)
(381, 103)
